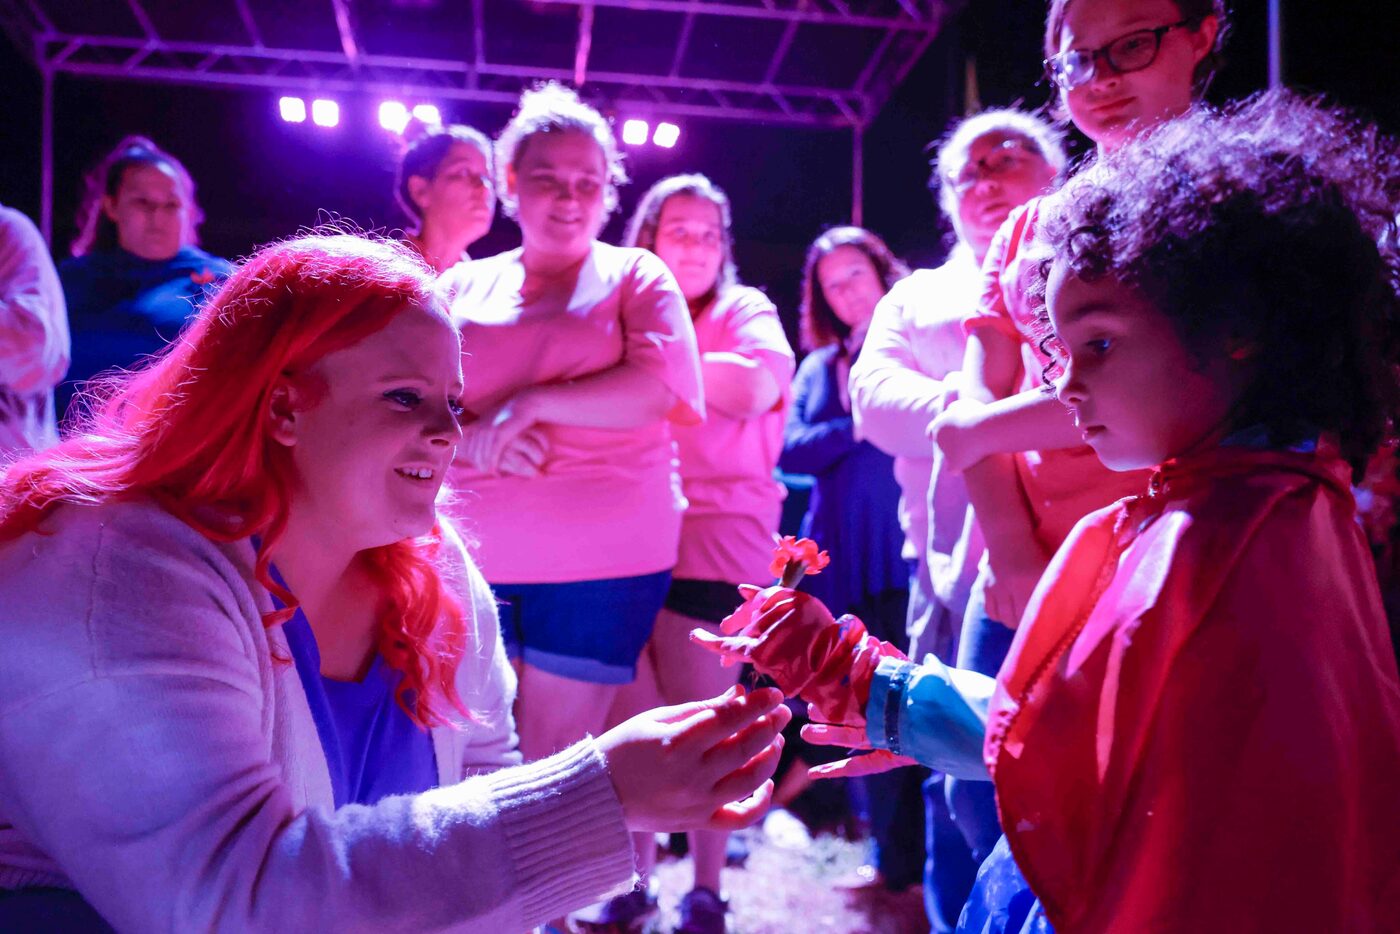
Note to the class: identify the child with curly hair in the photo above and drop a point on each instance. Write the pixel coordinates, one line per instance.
(1198, 722)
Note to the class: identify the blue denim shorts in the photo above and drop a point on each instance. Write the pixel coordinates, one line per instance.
(585, 630)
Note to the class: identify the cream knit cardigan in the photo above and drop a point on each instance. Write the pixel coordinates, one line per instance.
(155, 757)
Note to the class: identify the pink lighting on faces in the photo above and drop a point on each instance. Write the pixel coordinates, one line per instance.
(666, 135)
(292, 109)
(428, 113)
(325, 112)
(393, 116)
(634, 132)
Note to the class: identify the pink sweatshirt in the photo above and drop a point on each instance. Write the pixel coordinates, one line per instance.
(907, 373)
(34, 345)
(155, 757)
(727, 463)
(608, 502)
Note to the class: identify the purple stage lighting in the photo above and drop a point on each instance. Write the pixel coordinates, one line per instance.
(393, 116)
(666, 135)
(325, 112)
(428, 113)
(634, 132)
(292, 109)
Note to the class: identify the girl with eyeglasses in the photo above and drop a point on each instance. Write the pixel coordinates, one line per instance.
(444, 184)
(1119, 67)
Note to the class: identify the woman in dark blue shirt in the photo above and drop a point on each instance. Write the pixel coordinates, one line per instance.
(854, 509)
(136, 274)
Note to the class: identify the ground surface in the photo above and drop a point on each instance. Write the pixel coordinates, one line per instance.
(791, 885)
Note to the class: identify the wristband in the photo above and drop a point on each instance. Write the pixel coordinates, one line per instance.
(894, 702)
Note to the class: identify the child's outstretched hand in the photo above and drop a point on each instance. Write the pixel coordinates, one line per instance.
(850, 737)
(792, 638)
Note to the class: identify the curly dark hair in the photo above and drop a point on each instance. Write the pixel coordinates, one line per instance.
(817, 321)
(1271, 226)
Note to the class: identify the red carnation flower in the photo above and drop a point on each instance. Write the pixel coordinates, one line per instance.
(794, 557)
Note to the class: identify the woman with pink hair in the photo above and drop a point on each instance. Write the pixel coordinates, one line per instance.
(252, 681)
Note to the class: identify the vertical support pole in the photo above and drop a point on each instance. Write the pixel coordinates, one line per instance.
(585, 44)
(46, 158)
(858, 175)
(1275, 43)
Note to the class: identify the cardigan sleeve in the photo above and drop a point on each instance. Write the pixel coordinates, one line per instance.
(135, 753)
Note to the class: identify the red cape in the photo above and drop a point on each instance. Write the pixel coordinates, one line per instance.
(1198, 728)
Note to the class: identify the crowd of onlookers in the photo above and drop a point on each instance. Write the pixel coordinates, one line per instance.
(596, 436)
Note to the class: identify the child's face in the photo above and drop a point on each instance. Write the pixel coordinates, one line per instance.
(1137, 393)
(1114, 106)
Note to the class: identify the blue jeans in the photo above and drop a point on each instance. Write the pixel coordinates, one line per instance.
(982, 647)
(948, 870)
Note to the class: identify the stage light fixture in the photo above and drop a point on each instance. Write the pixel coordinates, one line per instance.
(634, 132)
(666, 135)
(393, 116)
(428, 113)
(325, 112)
(292, 109)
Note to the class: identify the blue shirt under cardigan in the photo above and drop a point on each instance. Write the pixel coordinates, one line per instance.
(373, 750)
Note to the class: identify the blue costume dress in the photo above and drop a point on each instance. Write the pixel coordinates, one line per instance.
(122, 308)
(938, 715)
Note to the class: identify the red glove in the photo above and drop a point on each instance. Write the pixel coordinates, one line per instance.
(871, 763)
(791, 637)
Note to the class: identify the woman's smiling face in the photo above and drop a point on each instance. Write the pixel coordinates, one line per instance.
(372, 429)
(559, 182)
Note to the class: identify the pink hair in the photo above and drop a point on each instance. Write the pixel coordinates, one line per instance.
(190, 430)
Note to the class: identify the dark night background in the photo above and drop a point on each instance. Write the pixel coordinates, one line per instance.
(260, 178)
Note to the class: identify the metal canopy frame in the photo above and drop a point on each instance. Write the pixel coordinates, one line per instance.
(825, 63)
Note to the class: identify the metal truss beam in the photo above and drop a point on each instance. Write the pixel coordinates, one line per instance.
(247, 66)
(832, 12)
(904, 29)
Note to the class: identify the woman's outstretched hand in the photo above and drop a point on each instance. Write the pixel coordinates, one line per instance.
(702, 765)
